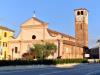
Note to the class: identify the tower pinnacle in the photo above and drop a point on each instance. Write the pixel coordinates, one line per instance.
(34, 15)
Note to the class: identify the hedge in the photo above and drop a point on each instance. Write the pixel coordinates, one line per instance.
(40, 62)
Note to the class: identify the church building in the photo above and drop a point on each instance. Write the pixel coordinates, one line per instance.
(35, 31)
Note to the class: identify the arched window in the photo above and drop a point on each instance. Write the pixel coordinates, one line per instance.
(16, 49)
(5, 34)
(78, 13)
(81, 12)
(33, 37)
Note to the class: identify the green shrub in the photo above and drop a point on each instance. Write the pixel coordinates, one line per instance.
(40, 62)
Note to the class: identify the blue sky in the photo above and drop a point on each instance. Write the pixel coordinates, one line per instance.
(58, 13)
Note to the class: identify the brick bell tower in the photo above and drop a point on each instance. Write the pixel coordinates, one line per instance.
(81, 26)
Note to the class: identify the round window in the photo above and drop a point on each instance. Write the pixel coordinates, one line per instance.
(33, 37)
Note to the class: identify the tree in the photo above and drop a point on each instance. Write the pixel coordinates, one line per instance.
(51, 46)
(38, 49)
(50, 49)
(41, 51)
(44, 50)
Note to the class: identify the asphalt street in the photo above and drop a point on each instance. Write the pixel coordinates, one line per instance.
(82, 69)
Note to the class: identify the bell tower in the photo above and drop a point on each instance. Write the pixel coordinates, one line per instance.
(81, 26)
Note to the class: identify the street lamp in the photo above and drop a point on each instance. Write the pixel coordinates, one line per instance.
(12, 52)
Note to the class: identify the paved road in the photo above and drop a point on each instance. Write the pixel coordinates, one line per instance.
(83, 69)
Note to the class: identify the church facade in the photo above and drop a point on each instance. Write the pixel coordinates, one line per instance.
(35, 31)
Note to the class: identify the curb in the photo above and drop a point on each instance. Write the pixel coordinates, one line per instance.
(67, 65)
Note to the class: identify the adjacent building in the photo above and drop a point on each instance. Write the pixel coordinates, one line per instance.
(5, 35)
(95, 51)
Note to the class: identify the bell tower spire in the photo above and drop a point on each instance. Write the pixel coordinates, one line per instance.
(34, 15)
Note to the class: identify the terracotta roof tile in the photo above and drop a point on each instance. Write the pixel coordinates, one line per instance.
(72, 43)
(56, 32)
(5, 28)
(81, 9)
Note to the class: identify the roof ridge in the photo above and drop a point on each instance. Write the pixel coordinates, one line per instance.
(6, 28)
(61, 33)
(38, 19)
(33, 18)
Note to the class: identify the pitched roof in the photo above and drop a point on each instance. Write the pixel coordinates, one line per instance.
(81, 9)
(32, 21)
(56, 32)
(72, 43)
(5, 28)
(38, 19)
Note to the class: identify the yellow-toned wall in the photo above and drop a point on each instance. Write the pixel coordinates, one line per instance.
(5, 52)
